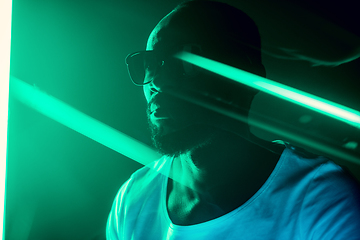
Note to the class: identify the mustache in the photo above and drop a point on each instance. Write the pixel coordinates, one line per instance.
(175, 99)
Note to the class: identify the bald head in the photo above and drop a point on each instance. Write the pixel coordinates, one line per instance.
(225, 33)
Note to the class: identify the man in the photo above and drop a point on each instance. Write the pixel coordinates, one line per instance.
(222, 183)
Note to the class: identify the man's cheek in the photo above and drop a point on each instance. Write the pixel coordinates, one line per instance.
(146, 90)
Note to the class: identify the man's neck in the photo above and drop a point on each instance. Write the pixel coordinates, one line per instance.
(225, 172)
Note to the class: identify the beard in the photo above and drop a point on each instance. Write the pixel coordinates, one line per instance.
(185, 127)
(172, 141)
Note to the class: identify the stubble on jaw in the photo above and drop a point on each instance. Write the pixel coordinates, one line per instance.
(170, 141)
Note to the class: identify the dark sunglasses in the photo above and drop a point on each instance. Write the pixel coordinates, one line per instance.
(143, 66)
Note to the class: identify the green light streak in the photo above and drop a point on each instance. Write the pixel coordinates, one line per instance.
(82, 123)
(315, 144)
(323, 106)
(5, 40)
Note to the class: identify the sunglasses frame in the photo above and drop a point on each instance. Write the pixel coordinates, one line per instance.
(132, 72)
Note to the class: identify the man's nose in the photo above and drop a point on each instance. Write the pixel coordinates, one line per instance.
(160, 82)
(156, 85)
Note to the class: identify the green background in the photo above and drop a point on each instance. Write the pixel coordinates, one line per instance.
(60, 184)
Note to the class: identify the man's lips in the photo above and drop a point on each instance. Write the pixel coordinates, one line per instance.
(153, 107)
(157, 112)
(158, 107)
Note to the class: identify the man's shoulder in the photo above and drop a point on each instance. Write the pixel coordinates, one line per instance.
(323, 166)
(147, 176)
(318, 171)
(142, 182)
(331, 204)
(336, 179)
(153, 169)
(325, 178)
(297, 163)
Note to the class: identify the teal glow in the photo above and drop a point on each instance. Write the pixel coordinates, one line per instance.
(279, 90)
(309, 142)
(5, 40)
(82, 123)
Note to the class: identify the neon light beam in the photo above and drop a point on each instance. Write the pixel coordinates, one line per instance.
(323, 106)
(82, 123)
(110, 137)
(5, 40)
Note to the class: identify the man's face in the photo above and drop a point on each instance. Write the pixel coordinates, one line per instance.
(178, 125)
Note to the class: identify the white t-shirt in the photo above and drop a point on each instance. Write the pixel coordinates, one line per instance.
(302, 199)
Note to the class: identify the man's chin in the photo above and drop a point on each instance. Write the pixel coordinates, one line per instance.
(173, 142)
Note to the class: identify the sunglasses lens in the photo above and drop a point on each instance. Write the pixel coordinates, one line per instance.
(143, 66)
(135, 63)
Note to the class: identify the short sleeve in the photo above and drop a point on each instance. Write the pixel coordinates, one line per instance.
(113, 226)
(331, 207)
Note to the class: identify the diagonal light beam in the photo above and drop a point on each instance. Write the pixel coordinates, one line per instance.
(296, 137)
(5, 41)
(307, 100)
(132, 148)
(82, 123)
(110, 137)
